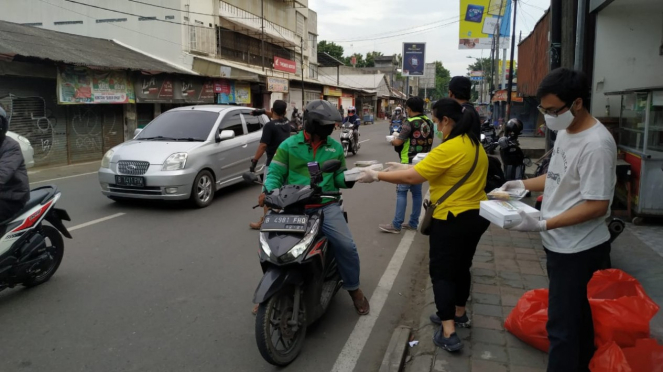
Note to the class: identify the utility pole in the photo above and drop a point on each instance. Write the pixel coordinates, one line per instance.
(513, 48)
(301, 59)
(580, 36)
(262, 34)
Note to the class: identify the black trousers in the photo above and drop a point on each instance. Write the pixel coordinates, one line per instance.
(452, 246)
(9, 208)
(570, 328)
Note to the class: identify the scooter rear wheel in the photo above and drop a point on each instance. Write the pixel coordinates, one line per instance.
(54, 247)
(278, 343)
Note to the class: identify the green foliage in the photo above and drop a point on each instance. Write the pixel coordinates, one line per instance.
(331, 48)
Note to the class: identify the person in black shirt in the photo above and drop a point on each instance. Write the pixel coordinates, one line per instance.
(273, 133)
(460, 89)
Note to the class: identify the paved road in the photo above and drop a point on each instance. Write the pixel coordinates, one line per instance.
(169, 288)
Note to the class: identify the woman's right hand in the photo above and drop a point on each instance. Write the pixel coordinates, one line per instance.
(513, 185)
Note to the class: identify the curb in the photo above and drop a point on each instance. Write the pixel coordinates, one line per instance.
(394, 357)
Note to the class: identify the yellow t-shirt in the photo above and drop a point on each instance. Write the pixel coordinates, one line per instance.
(445, 166)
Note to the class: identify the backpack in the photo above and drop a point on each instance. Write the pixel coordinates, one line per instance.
(495, 177)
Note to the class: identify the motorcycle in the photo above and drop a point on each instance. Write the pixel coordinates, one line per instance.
(513, 158)
(349, 139)
(300, 274)
(30, 251)
(488, 137)
(395, 127)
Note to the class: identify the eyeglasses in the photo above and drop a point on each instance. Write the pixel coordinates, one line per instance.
(351, 111)
(551, 112)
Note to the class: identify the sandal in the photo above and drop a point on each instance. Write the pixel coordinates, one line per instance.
(361, 304)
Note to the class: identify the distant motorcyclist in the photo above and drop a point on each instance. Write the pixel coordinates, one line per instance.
(398, 114)
(353, 119)
(14, 186)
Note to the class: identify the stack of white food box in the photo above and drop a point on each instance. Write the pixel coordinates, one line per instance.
(354, 173)
(502, 210)
(390, 138)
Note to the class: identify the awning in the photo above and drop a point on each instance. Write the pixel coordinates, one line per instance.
(223, 69)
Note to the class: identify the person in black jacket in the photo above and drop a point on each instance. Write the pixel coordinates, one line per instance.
(460, 89)
(14, 186)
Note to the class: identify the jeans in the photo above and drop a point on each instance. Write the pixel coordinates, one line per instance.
(570, 328)
(342, 245)
(401, 205)
(453, 243)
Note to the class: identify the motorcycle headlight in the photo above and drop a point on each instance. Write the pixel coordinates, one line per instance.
(301, 247)
(176, 161)
(105, 161)
(264, 244)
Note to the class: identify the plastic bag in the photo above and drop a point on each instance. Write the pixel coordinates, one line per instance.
(647, 355)
(620, 308)
(528, 319)
(610, 358)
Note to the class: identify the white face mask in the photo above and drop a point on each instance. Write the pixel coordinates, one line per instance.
(561, 122)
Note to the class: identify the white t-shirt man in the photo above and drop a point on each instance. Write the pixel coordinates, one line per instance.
(582, 168)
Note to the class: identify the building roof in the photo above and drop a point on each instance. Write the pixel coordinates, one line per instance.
(326, 60)
(19, 42)
(365, 82)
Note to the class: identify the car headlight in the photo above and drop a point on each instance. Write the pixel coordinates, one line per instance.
(301, 247)
(105, 161)
(176, 161)
(264, 244)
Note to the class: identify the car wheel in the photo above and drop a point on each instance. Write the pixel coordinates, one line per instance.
(202, 191)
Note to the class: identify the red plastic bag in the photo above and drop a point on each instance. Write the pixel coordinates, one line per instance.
(647, 355)
(610, 358)
(528, 319)
(620, 308)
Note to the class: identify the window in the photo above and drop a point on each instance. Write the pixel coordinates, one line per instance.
(300, 24)
(252, 122)
(111, 20)
(68, 23)
(32, 24)
(233, 122)
(170, 17)
(313, 71)
(181, 125)
(147, 18)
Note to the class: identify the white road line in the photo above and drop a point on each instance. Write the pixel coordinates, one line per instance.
(364, 141)
(347, 359)
(94, 222)
(64, 178)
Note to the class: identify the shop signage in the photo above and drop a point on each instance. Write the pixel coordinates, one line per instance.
(414, 57)
(231, 92)
(501, 96)
(194, 90)
(156, 88)
(348, 95)
(333, 91)
(286, 65)
(80, 85)
(225, 71)
(242, 93)
(278, 85)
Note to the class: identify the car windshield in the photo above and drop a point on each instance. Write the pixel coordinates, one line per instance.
(180, 126)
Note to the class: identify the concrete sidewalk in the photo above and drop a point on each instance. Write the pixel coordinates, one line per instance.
(46, 174)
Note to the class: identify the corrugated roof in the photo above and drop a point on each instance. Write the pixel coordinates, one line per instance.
(368, 82)
(34, 42)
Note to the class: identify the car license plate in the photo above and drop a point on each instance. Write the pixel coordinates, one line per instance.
(285, 222)
(132, 181)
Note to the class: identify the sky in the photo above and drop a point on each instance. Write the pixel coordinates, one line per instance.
(351, 22)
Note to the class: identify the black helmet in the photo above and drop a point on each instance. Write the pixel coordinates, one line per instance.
(513, 127)
(4, 125)
(320, 117)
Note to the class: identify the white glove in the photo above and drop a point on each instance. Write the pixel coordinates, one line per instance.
(368, 176)
(529, 224)
(394, 167)
(513, 185)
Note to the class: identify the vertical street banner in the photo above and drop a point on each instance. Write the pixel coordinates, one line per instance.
(480, 20)
(414, 57)
(80, 85)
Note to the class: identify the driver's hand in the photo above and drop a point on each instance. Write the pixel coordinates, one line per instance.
(252, 168)
(257, 112)
(261, 200)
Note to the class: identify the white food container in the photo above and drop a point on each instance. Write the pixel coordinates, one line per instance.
(505, 213)
(365, 163)
(354, 173)
(419, 157)
(390, 138)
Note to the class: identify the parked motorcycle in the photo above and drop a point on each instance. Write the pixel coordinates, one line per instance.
(488, 137)
(513, 158)
(30, 251)
(349, 139)
(300, 273)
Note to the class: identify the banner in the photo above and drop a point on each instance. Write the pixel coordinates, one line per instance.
(332, 91)
(476, 75)
(286, 65)
(156, 89)
(278, 85)
(80, 85)
(501, 95)
(479, 21)
(508, 67)
(414, 57)
(242, 93)
(231, 92)
(194, 90)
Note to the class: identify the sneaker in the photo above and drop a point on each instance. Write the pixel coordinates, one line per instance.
(406, 226)
(461, 321)
(453, 343)
(389, 228)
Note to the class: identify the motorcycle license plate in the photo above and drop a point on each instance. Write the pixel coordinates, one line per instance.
(285, 222)
(130, 181)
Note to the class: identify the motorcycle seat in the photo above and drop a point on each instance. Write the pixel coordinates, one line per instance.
(36, 197)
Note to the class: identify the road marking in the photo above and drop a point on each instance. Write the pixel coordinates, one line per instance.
(364, 141)
(347, 359)
(64, 178)
(94, 222)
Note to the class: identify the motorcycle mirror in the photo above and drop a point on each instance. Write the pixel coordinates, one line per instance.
(331, 166)
(483, 137)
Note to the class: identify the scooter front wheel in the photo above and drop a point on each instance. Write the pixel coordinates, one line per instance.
(279, 340)
(346, 147)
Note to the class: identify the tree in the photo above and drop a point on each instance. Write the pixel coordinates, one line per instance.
(481, 64)
(442, 78)
(331, 48)
(360, 60)
(370, 58)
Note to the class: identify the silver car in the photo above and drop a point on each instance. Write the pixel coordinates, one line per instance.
(26, 148)
(185, 153)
